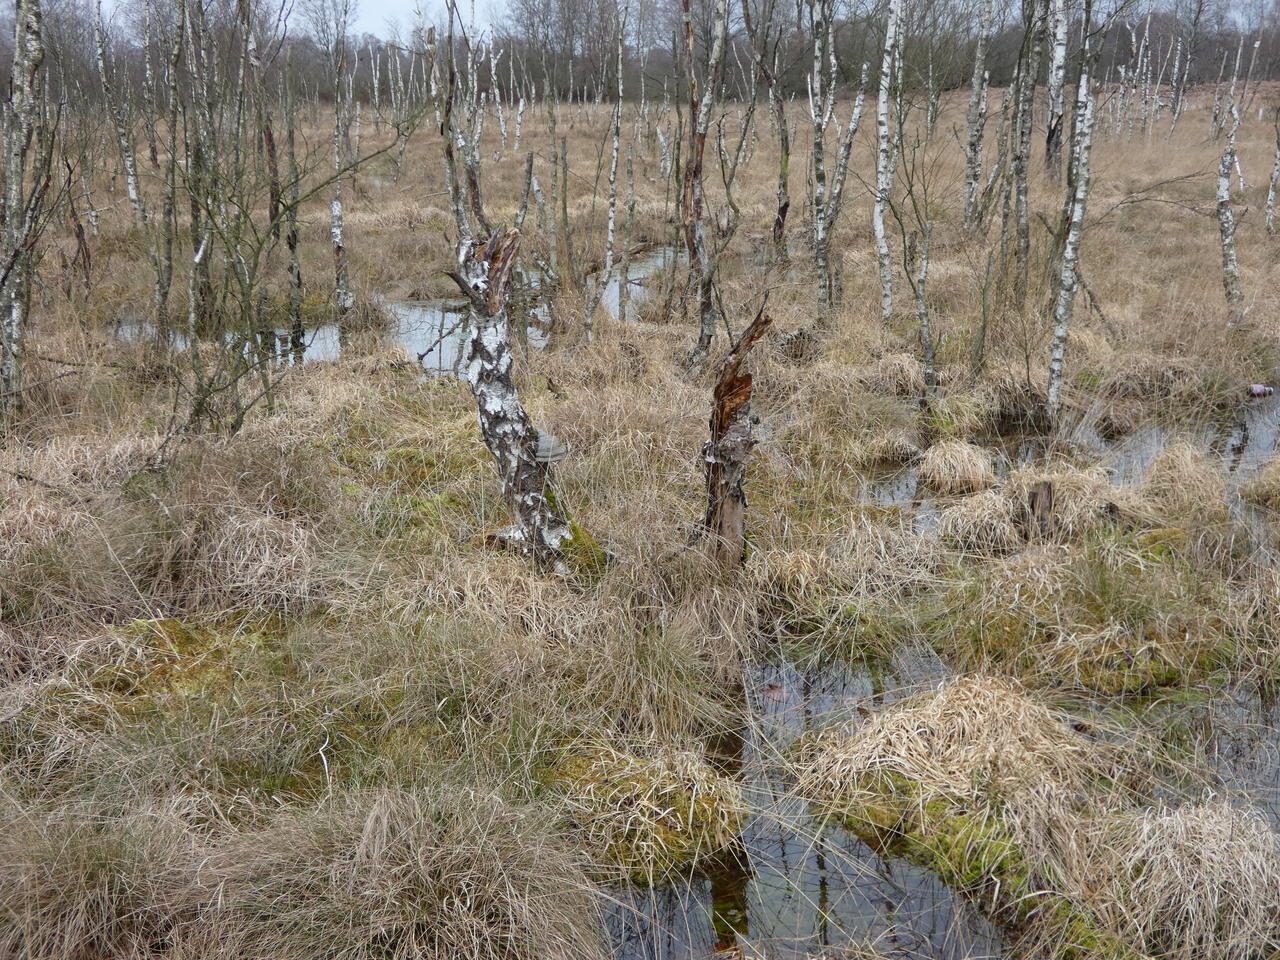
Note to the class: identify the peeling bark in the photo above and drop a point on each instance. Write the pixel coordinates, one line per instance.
(1068, 280)
(727, 453)
(542, 527)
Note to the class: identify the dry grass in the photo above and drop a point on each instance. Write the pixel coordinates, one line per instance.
(1082, 498)
(1192, 882)
(953, 467)
(397, 874)
(1264, 488)
(93, 879)
(1184, 485)
(647, 816)
(295, 629)
(976, 737)
(1118, 616)
(983, 524)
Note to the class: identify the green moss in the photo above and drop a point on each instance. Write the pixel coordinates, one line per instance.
(975, 854)
(178, 658)
(646, 818)
(1123, 615)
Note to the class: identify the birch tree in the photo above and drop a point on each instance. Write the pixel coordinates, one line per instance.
(28, 148)
(486, 266)
(827, 197)
(116, 103)
(693, 200)
(1057, 81)
(1269, 216)
(1034, 13)
(1078, 181)
(331, 19)
(977, 117)
(615, 129)
(1227, 230)
(765, 37)
(885, 157)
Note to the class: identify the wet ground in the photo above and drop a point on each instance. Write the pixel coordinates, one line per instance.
(807, 887)
(434, 332)
(803, 887)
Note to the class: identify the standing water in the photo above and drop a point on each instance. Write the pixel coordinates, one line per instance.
(806, 885)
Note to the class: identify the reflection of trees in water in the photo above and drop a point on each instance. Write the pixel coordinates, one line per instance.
(809, 886)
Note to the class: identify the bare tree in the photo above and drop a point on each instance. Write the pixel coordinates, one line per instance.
(977, 117)
(885, 156)
(1227, 229)
(28, 148)
(486, 265)
(765, 37)
(1057, 81)
(822, 104)
(1269, 217)
(1078, 180)
(693, 200)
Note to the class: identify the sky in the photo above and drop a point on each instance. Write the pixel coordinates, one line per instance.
(372, 16)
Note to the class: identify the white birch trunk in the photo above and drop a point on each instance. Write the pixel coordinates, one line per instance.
(124, 137)
(611, 228)
(22, 210)
(977, 117)
(1069, 277)
(1269, 217)
(1227, 233)
(1057, 81)
(884, 158)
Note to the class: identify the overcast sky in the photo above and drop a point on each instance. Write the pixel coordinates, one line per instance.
(372, 16)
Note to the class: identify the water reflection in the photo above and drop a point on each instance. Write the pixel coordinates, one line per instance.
(808, 885)
(433, 332)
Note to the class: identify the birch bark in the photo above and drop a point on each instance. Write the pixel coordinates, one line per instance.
(977, 117)
(1080, 151)
(884, 158)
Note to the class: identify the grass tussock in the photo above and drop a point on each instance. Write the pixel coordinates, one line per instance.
(433, 874)
(1195, 881)
(1082, 499)
(1118, 615)
(953, 467)
(1184, 485)
(95, 879)
(985, 524)
(981, 784)
(989, 788)
(647, 817)
(1264, 488)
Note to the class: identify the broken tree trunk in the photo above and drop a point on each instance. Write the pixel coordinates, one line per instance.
(728, 451)
(542, 528)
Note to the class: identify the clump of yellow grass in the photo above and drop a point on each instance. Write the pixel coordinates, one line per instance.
(1195, 882)
(954, 467)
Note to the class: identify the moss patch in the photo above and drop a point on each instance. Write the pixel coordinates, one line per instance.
(647, 817)
(974, 852)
